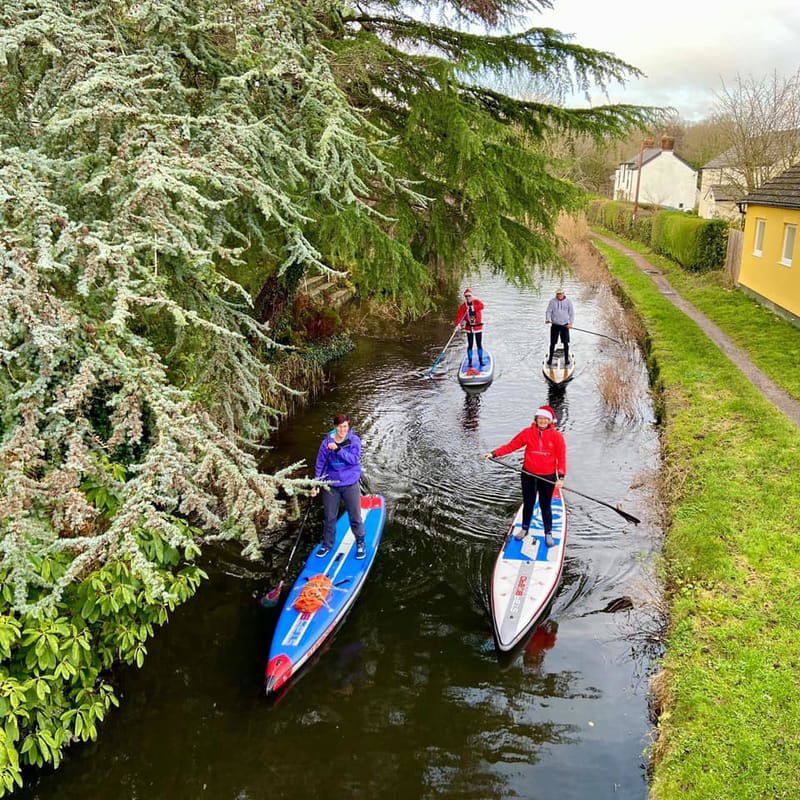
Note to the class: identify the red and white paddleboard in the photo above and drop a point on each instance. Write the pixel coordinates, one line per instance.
(527, 574)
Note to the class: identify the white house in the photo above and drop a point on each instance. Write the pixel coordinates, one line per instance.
(666, 179)
(719, 180)
(723, 180)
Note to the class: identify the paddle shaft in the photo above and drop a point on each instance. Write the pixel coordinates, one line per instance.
(302, 525)
(441, 355)
(623, 514)
(595, 333)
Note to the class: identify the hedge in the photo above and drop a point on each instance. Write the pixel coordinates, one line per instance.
(695, 243)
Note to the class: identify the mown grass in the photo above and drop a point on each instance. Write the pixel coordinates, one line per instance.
(772, 343)
(729, 696)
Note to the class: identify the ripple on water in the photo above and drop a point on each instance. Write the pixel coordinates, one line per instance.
(410, 698)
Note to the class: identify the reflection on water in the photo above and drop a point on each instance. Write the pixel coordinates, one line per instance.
(471, 411)
(410, 699)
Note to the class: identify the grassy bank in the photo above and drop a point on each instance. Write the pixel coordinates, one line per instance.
(772, 343)
(728, 693)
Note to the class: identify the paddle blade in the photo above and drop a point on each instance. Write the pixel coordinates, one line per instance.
(435, 364)
(627, 516)
(271, 598)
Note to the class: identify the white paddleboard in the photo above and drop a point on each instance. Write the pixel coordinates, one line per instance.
(560, 371)
(526, 575)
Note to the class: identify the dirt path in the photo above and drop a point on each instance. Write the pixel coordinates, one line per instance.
(782, 400)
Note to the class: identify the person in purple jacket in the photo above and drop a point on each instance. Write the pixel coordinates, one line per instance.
(339, 462)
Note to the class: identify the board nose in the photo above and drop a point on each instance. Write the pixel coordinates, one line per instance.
(279, 670)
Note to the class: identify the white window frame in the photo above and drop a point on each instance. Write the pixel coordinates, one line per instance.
(787, 261)
(758, 243)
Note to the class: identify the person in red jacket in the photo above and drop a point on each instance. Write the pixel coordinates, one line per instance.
(544, 465)
(470, 315)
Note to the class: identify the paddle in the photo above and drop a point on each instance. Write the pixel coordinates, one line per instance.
(595, 333)
(441, 355)
(623, 514)
(272, 597)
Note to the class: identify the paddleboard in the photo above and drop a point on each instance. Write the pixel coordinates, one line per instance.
(474, 374)
(526, 575)
(560, 371)
(299, 634)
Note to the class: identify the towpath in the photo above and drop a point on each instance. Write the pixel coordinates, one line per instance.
(781, 399)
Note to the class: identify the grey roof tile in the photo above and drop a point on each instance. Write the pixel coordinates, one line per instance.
(782, 191)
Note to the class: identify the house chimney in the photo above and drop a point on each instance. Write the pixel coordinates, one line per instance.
(667, 143)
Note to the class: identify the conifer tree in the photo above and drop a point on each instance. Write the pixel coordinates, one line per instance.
(478, 154)
(148, 151)
(145, 148)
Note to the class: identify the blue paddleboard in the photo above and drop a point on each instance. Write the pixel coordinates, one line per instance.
(299, 634)
(474, 374)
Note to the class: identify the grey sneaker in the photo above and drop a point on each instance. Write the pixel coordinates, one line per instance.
(323, 550)
(548, 540)
(361, 551)
(520, 533)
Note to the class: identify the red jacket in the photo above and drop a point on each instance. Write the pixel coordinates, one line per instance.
(545, 450)
(477, 325)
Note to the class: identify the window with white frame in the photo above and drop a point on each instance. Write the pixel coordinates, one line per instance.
(758, 247)
(789, 235)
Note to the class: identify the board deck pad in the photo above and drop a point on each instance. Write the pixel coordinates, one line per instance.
(475, 374)
(527, 574)
(560, 371)
(298, 635)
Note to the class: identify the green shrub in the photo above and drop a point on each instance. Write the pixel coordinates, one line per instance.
(695, 243)
(54, 667)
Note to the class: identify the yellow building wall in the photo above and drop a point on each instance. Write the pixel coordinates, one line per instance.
(765, 274)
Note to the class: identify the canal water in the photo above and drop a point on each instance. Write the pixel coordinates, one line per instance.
(410, 699)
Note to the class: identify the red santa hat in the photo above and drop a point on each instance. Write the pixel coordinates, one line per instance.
(546, 411)
(467, 291)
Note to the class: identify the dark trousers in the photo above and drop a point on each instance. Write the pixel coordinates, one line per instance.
(531, 486)
(352, 502)
(561, 331)
(478, 336)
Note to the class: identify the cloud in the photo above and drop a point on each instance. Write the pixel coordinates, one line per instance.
(685, 48)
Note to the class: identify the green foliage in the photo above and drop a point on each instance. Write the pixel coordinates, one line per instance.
(618, 217)
(52, 680)
(477, 155)
(333, 348)
(144, 148)
(731, 562)
(695, 243)
(53, 665)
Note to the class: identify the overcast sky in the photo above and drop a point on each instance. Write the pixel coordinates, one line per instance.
(685, 47)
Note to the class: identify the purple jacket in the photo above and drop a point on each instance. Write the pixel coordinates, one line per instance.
(344, 465)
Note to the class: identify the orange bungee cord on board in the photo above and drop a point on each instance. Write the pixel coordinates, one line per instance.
(314, 594)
